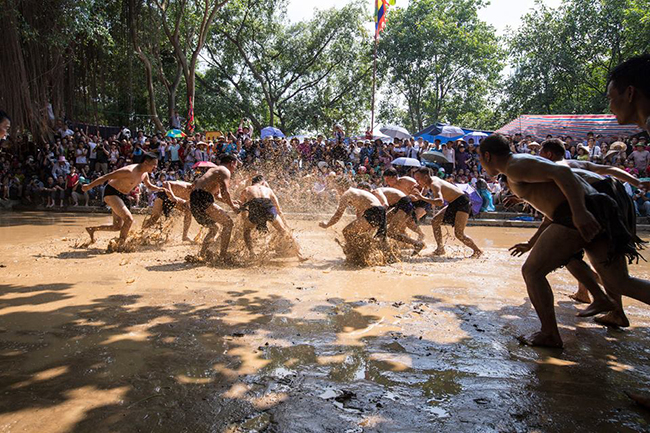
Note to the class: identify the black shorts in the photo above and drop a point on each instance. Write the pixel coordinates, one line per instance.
(109, 190)
(461, 204)
(260, 211)
(614, 229)
(376, 217)
(167, 204)
(421, 204)
(200, 201)
(405, 204)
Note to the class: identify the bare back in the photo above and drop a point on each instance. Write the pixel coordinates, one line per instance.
(393, 195)
(181, 189)
(360, 199)
(449, 191)
(256, 191)
(406, 184)
(213, 180)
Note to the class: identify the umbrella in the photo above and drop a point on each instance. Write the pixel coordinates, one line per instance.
(407, 162)
(204, 164)
(474, 197)
(395, 132)
(435, 156)
(270, 131)
(476, 135)
(175, 133)
(449, 131)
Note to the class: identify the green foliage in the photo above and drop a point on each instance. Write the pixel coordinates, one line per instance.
(561, 57)
(439, 57)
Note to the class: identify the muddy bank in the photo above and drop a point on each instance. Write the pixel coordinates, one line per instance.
(144, 341)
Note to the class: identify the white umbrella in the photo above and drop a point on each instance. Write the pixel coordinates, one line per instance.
(476, 135)
(449, 131)
(407, 162)
(395, 132)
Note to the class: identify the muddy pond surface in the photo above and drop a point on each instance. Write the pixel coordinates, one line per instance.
(146, 342)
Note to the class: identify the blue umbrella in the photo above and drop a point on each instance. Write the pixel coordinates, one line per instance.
(270, 131)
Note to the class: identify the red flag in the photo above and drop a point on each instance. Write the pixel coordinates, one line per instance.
(190, 117)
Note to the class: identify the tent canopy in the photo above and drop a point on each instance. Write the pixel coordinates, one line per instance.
(430, 133)
(575, 125)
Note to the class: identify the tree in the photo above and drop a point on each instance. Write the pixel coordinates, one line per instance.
(290, 75)
(437, 54)
(187, 24)
(561, 57)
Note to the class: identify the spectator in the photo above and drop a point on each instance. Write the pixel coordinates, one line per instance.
(641, 159)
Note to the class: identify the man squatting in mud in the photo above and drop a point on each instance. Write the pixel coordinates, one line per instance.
(261, 206)
(175, 193)
(214, 185)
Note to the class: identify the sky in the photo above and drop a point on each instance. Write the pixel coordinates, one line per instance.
(500, 13)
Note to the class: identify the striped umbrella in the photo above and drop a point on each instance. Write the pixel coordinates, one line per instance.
(574, 125)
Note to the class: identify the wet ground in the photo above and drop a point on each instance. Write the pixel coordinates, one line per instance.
(145, 342)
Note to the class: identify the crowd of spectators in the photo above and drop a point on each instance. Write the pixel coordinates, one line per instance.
(51, 173)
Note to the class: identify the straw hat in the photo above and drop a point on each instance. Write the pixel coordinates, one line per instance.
(616, 147)
(534, 145)
(583, 147)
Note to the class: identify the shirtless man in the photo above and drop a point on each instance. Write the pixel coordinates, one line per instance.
(120, 183)
(456, 213)
(214, 185)
(371, 214)
(262, 206)
(408, 186)
(401, 210)
(175, 193)
(570, 203)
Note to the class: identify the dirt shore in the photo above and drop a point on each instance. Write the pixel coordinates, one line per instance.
(145, 342)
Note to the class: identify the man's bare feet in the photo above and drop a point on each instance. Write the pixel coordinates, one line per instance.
(597, 307)
(419, 247)
(616, 319)
(640, 399)
(439, 252)
(541, 340)
(477, 254)
(580, 299)
(91, 232)
(187, 239)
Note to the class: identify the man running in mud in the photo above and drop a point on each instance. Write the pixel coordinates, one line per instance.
(214, 185)
(456, 213)
(262, 206)
(120, 183)
(371, 214)
(408, 186)
(175, 193)
(570, 203)
(628, 91)
(554, 150)
(400, 211)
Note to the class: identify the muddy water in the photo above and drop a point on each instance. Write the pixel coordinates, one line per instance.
(144, 341)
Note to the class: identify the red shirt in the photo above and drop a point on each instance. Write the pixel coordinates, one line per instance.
(71, 180)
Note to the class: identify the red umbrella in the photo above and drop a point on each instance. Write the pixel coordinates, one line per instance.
(204, 164)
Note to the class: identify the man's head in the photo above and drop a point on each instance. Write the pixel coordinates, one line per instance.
(5, 124)
(150, 161)
(628, 91)
(552, 149)
(390, 177)
(257, 179)
(365, 186)
(229, 161)
(423, 175)
(493, 149)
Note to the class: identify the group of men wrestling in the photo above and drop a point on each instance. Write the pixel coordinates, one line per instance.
(388, 211)
(197, 200)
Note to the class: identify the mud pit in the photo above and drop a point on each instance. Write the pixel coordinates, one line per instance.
(144, 341)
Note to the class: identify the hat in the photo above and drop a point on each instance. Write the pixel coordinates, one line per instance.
(534, 145)
(583, 147)
(61, 158)
(322, 165)
(639, 144)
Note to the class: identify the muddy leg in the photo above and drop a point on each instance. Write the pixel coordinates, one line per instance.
(436, 225)
(588, 278)
(553, 248)
(187, 221)
(222, 218)
(459, 231)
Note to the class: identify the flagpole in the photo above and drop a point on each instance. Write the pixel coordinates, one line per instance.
(374, 83)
